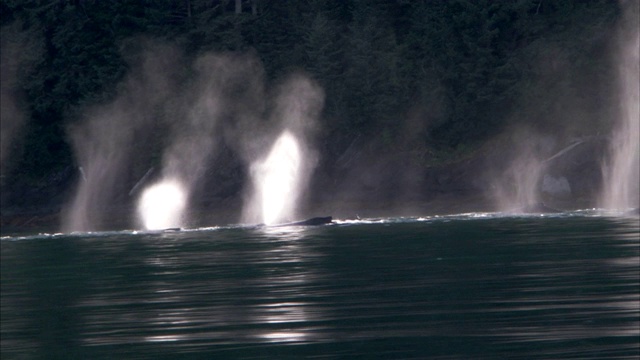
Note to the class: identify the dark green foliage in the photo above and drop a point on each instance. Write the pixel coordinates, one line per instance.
(373, 58)
(376, 60)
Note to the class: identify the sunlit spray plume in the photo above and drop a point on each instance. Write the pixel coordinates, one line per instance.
(621, 172)
(277, 179)
(162, 205)
(104, 142)
(193, 138)
(280, 178)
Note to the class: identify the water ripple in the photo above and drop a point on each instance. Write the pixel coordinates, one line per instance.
(479, 287)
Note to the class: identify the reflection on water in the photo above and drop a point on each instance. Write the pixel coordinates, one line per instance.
(469, 286)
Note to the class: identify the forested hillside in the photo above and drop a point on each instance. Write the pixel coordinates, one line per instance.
(433, 80)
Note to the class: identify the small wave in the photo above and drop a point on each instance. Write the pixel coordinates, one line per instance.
(39, 236)
(476, 216)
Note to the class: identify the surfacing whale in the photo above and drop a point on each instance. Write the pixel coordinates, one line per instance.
(310, 222)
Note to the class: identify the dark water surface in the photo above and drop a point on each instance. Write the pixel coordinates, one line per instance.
(458, 287)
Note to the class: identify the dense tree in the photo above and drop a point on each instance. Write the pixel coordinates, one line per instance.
(372, 75)
(376, 60)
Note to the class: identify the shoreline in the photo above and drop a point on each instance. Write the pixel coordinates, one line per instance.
(228, 212)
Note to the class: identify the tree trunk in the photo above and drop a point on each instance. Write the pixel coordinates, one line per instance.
(238, 6)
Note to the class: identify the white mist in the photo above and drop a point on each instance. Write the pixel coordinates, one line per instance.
(279, 174)
(622, 172)
(517, 188)
(202, 103)
(277, 180)
(162, 205)
(106, 144)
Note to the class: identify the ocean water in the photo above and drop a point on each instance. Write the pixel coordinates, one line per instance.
(470, 286)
